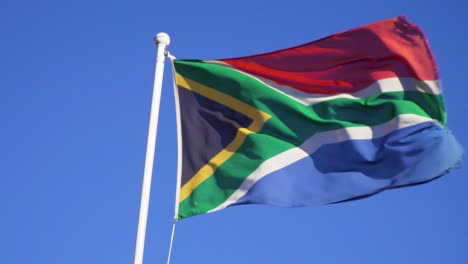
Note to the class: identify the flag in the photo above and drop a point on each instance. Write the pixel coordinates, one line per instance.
(336, 119)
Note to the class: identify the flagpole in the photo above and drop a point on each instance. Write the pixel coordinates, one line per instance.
(161, 40)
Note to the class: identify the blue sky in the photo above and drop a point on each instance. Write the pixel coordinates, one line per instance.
(76, 80)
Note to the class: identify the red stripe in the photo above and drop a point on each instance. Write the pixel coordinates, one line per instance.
(349, 61)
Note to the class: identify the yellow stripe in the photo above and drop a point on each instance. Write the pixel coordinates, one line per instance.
(259, 118)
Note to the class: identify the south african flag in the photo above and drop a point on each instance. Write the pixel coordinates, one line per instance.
(336, 119)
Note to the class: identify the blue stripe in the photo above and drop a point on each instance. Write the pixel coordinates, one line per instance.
(352, 169)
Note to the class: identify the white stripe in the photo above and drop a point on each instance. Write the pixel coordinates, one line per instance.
(179, 147)
(315, 142)
(394, 84)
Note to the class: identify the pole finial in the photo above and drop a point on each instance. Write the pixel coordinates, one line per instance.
(162, 38)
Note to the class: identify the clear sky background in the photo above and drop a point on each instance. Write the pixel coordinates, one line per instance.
(76, 82)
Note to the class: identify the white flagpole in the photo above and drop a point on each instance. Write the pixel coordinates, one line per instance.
(162, 40)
